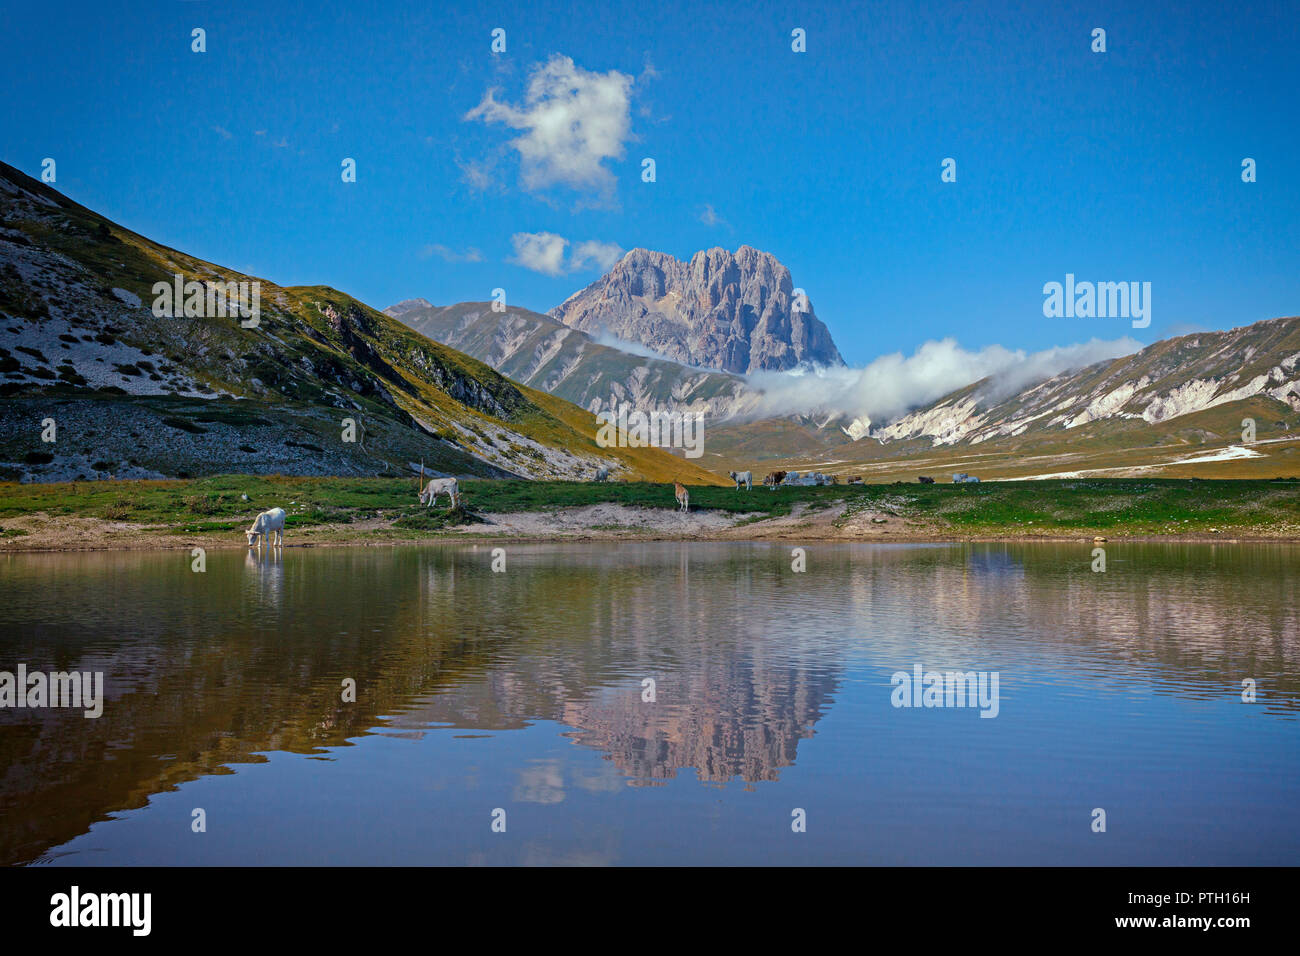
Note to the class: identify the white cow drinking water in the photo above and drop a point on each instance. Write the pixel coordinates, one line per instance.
(440, 486)
(269, 524)
(745, 478)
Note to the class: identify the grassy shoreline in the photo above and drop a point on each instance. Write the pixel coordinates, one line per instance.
(212, 511)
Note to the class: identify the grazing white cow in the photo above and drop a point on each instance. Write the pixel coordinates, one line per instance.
(269, 524)
(683, 496)
(602, 474)
(745, 478)
(440, 486)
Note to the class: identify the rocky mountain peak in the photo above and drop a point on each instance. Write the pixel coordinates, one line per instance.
(737, 312)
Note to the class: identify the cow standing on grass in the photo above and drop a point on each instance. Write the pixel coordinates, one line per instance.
(745, 478)
(602, 474)
(683, 496)
(439, 486)
(269, 524)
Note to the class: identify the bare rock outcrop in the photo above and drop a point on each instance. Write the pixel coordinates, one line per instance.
(737, 312)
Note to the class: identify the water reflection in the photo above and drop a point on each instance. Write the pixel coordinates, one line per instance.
(205, 672)
(265, 576)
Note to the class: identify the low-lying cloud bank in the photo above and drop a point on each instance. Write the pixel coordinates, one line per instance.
(893, 385)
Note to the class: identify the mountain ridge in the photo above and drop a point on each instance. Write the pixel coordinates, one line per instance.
(536, 350)
(1165, 380)
(1207, 404)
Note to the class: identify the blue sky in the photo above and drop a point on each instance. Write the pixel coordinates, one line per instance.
(1117, 166)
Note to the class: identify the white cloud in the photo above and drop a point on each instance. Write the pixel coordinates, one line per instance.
(594, 253)
(710, 218)
(447, 254)
(540, 251)
(573, 120)
(892, 385)
(544, 252)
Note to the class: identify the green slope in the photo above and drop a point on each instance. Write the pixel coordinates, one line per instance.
(135, 395)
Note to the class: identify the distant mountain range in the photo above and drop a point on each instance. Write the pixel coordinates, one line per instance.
(1183, 406)
(1176, 393)
(93, 383)
(472, 391)
(1162, 382)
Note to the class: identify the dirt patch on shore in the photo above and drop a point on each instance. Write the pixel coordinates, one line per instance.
(836, 523)
(606, 521)
(45, 532)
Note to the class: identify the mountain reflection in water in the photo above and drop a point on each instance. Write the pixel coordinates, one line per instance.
(1114, 686)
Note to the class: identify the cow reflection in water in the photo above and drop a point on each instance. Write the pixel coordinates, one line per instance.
(265, 574)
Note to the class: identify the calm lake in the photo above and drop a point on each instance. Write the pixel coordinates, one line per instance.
(522, 698)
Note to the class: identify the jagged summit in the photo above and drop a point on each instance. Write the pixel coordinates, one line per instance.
(738, 312)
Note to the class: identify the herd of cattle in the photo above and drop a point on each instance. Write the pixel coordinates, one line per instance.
(745, 479)
(269, 525)
(789, 479)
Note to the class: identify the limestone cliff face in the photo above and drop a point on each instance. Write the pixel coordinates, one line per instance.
(736, 312)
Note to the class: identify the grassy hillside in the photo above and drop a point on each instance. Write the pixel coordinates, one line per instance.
(134, 395)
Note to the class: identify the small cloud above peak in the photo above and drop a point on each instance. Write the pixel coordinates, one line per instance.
(593, 252)
(709, 216)
(540, 252)
(544, 252)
